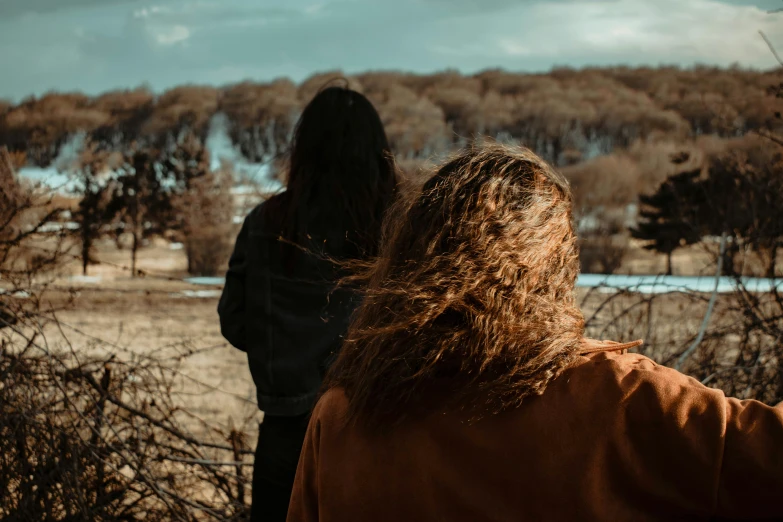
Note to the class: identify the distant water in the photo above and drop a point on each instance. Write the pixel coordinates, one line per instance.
(643, 284)
(651, 284)
(208, 281)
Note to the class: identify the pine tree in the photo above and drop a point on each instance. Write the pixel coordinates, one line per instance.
(670, 216)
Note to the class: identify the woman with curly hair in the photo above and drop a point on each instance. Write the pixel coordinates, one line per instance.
(465, 389)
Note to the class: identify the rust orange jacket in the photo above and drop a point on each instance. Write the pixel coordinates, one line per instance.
(615, 437)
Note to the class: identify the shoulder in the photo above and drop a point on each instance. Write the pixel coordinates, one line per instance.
(267, 209)
(331, 407)
(626, 363)
(258, 211)
(621, 363)
(614, 357)
(638, 379)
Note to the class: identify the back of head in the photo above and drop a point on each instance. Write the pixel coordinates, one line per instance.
(472, 299)
(341, 176)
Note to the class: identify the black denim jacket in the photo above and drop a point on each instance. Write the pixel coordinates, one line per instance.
(284, 313)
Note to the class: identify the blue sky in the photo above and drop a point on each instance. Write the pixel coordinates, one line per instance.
(96, 45)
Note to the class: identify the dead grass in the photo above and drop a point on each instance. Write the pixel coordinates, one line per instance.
(140, 316)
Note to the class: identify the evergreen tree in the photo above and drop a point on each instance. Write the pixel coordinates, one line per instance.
(670, 216)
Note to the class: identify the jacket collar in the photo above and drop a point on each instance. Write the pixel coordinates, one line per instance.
(591, 346)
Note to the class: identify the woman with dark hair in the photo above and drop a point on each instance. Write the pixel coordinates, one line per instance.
(465, 389)
(279, 303)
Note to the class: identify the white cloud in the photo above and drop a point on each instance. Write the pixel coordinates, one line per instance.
(514, 48)
(146, 12)
(670, 30)
(313, 9)
(172, 35)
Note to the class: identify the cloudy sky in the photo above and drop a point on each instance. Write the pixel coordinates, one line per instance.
(96, 45)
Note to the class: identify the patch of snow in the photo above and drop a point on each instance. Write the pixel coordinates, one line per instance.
(19, 294)
(588, 224)
(222, 149)
(198, 294)
(241, 190)
(54, 226)
(86, 279)
(48, 177)
(176, 246)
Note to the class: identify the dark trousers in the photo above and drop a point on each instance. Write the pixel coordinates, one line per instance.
(280, 441)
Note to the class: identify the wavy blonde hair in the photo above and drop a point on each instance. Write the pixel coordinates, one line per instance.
(471, 300)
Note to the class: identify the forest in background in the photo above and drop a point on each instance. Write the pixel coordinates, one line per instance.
(616, 133)
(566, 116)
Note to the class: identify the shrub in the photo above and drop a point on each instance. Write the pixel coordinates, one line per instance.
(207, 212)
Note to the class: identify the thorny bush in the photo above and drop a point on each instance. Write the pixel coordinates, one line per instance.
(85, 437)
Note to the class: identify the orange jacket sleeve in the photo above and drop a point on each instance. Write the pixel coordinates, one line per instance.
(692, 447)
(750, 485)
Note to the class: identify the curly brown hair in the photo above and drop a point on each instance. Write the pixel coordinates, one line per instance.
(471, 300)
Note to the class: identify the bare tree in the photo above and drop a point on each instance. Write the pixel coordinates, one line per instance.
(140, 203)
(206, 208)
(91, 174)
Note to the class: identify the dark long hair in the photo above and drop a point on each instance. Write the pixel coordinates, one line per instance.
(471, 301)
(341, 178)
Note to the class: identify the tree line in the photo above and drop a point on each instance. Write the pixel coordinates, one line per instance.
(144, 169)
(565, 115)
